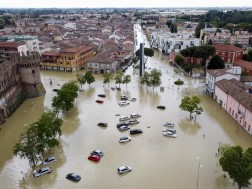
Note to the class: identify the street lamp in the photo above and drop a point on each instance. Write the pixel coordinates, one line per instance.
(199, 166)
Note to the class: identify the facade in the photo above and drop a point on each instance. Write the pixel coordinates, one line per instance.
(245, 65)
(19, 79)
(213, 76)
(67, 60)
(229, 53)
(236, 99)
(173, 42)
(9, 49)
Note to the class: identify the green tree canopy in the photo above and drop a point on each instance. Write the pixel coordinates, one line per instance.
(155, 78)
(147, 52)
(126, 79)
(200, 26)
(238, 164)
(191, 105)
(38, 137)
(64, 100)
(179, 59)
(89, 77)
(107, 78)
(119, 77)
(81, 79)
(216, 63)
(145, 79)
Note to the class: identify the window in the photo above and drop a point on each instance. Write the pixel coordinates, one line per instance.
(230, 110)
(245, 124)
(249, 128)
(233, 113)
(236, 116)
(33, 71)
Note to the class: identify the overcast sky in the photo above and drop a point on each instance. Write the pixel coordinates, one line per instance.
(122, 3)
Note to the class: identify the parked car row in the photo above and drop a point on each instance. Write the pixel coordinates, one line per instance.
(169, 132)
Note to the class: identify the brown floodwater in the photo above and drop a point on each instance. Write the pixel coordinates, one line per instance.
(157, 162)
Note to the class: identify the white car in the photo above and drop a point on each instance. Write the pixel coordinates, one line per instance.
(122, 103)
(124, 169)
(135, 115)
(133, 121)
(49, 160)
(125, 118)
(170, 134)
(124, 139)
(97, 152)
(42, 171)
(168, 124)
(123, 128)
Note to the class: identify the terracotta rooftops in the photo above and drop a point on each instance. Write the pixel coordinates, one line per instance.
(218, 72)
(76, 49)
(51, 53)
(9, 44)
(236, 91)
(228, 48)
(244, 64)
(246, 79)
(103, 58)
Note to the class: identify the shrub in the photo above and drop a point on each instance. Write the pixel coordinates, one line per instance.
(179, 82)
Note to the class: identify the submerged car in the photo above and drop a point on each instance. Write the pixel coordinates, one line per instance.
(133, 121)
(124, 169)
(135, 131)
(97, 152)
(99, 101)
(122, 124)
(123, 128)
(124, 139)
(168, 124)
(122, 103)
(124, 98)
(170, 134)
(135, 115)
(94, 158)
(74, 177)
(42, 171)
(102, 124)
(125, 118)
(49, 160)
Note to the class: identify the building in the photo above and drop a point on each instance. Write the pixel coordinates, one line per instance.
(19, 79)
(215, 75)
(173, 42)
(229, 53)
(67, 60)
(236, 99)
(9, 49)
(245, 65)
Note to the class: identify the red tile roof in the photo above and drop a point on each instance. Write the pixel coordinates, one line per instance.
(236, 91)
(244, 64)
(76, 49)
(229, 48)
(9, 44)
(51, 53)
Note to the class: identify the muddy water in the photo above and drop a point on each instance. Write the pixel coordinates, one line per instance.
(157, 162)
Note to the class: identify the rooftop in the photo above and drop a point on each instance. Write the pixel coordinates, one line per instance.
(236, 90)
(229, 48)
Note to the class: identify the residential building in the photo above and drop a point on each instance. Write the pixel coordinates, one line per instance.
(215, 75)
(228, 53)
(68, 60)
(8, 49)
(245, 65)
(236, 99)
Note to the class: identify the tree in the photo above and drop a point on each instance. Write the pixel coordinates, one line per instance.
(250, 53)
(173, 28)
(238, 164)
(81, 79)
(107, 78)
(126, 79)
(119, 77)
(26, 147)
(154, 79)
(200, 26)
(65, 97)
(216, 63)
(89, 77)
(39, 136)
(145, 79)
(191, 105)
(169, 23)
(147, 52)
(179, 59)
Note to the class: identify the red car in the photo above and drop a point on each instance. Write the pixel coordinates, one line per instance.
(99, 101)
(94, 158)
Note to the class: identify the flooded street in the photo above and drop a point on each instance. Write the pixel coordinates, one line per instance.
(157, 162)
